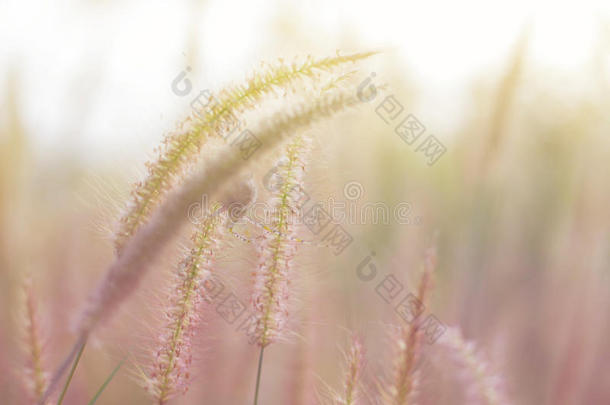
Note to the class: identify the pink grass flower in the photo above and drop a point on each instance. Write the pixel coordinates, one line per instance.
(169, 373)
(277, 249)
(35, 378)
(482, 384)
(354, 361)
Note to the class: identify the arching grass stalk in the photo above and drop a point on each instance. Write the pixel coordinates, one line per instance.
(216, 118)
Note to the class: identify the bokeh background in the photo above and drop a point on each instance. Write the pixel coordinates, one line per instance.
(517, 92)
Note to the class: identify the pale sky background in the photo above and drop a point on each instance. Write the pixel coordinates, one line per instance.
(95, 75)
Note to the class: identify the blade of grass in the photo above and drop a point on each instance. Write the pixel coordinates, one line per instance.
(103, 387)
(72, 370)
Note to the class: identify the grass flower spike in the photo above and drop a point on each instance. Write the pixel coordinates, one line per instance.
(354, 361)
(408, 339)
(277, 249)
(34, 376)
(169, 372)
(483, 386)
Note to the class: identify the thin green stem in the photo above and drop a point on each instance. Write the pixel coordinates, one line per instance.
(105, 384)
(258, 375)
(72, 370)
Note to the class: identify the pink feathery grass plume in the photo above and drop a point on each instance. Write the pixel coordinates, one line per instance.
(482, 385)
(401, 387)
(354, 360)
(277, 249)
(352, 392)
(35, 378)
(170, 370)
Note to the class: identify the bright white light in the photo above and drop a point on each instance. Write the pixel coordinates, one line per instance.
(128, 53)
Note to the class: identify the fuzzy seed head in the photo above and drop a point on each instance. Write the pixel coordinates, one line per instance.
(170, 371)
(35, 378)
(402, 385)
(483, 385)
(355, 365)
(277, 249)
